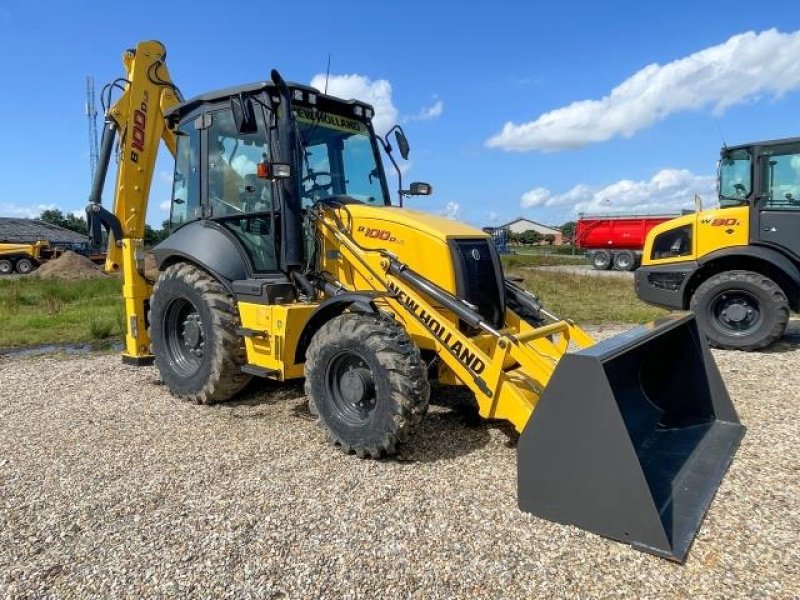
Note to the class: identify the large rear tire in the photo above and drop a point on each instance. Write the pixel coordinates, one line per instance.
(193, 323)
(741, 310)
(367, 383)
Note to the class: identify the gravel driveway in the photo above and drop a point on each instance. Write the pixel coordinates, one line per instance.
(109, 487)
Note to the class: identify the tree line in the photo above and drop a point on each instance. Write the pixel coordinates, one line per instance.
(78, 224)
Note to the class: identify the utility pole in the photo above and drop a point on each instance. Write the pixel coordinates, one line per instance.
(91, 115)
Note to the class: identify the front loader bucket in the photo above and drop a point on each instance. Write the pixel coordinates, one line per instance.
(631, 438)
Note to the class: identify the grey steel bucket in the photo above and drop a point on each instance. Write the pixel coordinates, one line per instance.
(631, 438)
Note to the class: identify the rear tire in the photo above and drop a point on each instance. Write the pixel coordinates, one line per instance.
(625, 260)
(601, 260)
(741, 310)
(367, 383)
(24, 266)
(6, 267)
(193, 323)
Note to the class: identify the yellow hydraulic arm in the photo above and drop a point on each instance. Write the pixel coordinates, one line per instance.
(138, 117)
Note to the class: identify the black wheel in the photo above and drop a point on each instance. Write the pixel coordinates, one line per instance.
(6, 267)
(193, 325)
(367, 383)
(625, 260)
(741, 310)
(24, 266)
(601, 260)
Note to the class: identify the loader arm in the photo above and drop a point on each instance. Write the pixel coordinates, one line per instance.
(137, 122)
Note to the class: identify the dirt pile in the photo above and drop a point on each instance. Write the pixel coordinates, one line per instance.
(70, 266)
(150, 267)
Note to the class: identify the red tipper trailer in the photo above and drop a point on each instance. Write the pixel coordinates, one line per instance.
(615, 240)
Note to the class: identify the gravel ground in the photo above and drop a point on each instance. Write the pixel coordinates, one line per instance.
(585, 270)
(109, 487)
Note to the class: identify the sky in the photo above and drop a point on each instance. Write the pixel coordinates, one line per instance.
(534, 109)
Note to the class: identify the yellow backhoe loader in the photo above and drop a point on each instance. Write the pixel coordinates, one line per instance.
(287, 259)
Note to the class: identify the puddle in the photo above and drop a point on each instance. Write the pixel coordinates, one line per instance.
(69, 349)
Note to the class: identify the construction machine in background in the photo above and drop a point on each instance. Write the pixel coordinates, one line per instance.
(737, 266)
(23, 258)
(287, 259)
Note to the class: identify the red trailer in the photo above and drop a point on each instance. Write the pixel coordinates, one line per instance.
(615, 240)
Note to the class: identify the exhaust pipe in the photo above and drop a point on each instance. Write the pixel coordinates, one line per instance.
(631, 438)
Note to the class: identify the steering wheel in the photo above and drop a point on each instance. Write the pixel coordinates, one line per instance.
(316, 188)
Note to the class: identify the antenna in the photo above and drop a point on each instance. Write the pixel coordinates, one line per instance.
(327, 73)
(91, 115)
(719, 128)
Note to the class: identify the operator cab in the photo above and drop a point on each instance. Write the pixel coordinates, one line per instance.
(227, 169)
(766, 176)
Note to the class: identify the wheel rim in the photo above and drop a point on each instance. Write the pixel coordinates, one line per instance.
(600, 260)
(624, 261)
(184, 337)
(350, 385)
(736, 312)
(24, 266)
(5, 267)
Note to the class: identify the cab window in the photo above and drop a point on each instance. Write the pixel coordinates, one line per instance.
(780, 176)
(734, 178)
(185, 203)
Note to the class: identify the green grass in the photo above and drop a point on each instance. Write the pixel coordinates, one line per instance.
(511, 261)
(588, 300)
(34, 311)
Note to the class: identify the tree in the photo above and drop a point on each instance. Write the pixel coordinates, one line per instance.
(568, 231)
(530, 237)
(549, 239)
(152, 237)
(68, 221)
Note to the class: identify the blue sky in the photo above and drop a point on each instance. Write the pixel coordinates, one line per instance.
(454, 74)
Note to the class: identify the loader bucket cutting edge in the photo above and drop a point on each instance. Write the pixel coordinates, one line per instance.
(631, 438)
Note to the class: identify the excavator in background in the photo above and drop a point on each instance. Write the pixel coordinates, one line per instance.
(287, 259)
(737, 266)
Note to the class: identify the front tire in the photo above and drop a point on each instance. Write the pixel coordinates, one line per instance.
(741, 310)
(193, 323)
(367, 383)
(24, 266)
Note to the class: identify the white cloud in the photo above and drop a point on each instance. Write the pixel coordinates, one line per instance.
(30, 211)
(428, 113)
(741, 69)
(378, 93)
(165, 206)
(669, 190)
(450, 210)
(165, 177)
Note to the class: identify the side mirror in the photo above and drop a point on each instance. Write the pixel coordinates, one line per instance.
(402, 143)
(418, 188)
(244, 115)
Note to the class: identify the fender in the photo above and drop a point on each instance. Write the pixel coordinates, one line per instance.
(208, 245)
(779, 263)
(362, 302)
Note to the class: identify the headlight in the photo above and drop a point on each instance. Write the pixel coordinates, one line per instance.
(675, 242)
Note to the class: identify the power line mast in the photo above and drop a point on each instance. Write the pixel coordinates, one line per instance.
(91, 115)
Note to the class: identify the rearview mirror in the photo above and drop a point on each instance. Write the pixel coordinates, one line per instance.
(418, 188)
(244, 115)
(402, 143)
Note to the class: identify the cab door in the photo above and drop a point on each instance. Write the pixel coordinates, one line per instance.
(778, 201)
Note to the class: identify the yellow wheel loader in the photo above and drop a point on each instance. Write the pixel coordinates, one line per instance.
(737, 266)
(287, 259)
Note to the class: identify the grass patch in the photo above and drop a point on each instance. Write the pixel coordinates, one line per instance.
(35, 311)
(586, 299)
(510, 261)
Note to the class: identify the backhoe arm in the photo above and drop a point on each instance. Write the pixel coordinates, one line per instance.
(136, 120)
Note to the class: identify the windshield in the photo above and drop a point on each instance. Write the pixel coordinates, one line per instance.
(339, 159)
(734, 178)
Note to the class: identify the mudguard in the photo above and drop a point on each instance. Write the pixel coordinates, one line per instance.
(208, 245)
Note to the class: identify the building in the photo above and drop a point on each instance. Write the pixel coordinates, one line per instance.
(521, 225)
(34, 230)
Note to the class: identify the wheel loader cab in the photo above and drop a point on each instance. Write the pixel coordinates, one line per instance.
(736, 265)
